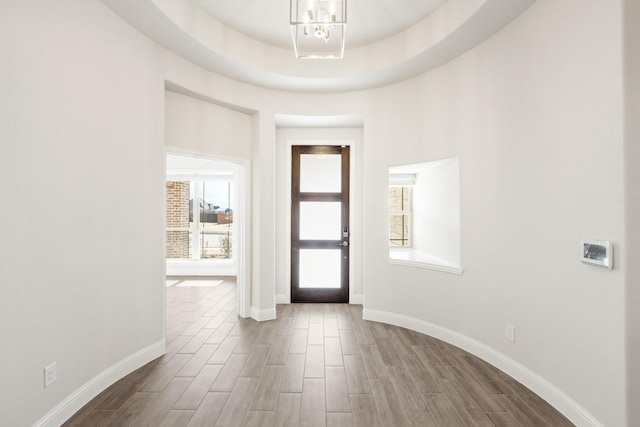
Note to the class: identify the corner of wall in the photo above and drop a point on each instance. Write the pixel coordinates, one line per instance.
(356, 299)
(283, 299)
(264, 314)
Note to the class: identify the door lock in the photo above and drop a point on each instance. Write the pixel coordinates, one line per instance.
(345, 243)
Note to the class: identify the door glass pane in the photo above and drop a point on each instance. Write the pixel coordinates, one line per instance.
(321, 173)
(320, 220)
(320, 268)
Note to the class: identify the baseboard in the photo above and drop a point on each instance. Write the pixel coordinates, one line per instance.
(286, 299)
(555, 397)
(219, 267)
(72, 404)
(262, 315)
(283, 299)
(356, 299)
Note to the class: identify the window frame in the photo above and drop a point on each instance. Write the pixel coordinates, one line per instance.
(196, 182)
(408, 213)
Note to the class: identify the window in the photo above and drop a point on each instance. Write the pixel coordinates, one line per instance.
(199, 219)
(200, 198)
(400, 216)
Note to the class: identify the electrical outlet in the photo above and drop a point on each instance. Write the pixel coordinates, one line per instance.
(510, 332)
(50, 374)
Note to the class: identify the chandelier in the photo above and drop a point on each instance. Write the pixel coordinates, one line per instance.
(318, 28)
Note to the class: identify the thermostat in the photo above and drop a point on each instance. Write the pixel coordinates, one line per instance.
(597, 252)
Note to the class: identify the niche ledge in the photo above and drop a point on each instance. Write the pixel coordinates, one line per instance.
(413, 258)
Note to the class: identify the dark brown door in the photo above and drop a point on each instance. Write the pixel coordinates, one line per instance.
(320, 224)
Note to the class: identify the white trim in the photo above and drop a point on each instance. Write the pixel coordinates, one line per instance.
(356, 299)
(262, 315)
(243, 232)
(283, 299)
(190, 267)
(413, 258)
(204, 155)
(74, 402)
(428, 266)
(199, 176)
(559, 400)
(402, 179)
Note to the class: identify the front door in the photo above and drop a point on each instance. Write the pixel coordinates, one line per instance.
(320, 224)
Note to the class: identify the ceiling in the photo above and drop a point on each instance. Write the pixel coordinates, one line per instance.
(368, 21)
(387, 41)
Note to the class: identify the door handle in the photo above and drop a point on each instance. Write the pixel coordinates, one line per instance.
(345, 243)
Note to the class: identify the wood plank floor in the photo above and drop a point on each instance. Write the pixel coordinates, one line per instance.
(316, 365)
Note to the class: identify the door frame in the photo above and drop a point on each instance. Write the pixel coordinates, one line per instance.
(285, 139)
(242, 228)
(321, 295)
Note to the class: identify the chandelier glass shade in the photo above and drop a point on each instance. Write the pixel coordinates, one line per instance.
(318, 28)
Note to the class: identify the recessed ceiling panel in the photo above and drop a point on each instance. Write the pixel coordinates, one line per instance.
(367, 21)
(250, 41)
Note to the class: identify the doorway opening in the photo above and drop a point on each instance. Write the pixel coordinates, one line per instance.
(286, 139)
(205, 219)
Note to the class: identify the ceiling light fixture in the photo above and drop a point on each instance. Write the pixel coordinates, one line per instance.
(318, 28)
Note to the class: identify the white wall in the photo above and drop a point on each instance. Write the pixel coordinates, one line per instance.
(81, 161)
(532, 114)
(632, 205)
(203, 127)
(436, 211)
(526, 112)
